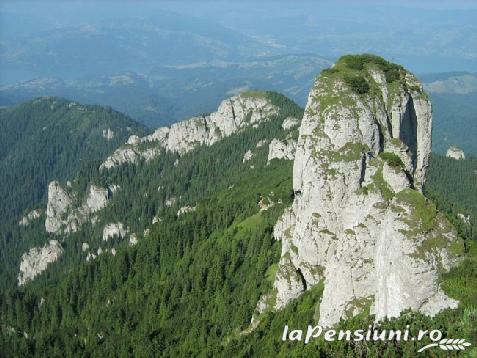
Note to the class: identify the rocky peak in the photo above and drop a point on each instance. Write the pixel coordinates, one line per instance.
(359, 223)
(238, 112)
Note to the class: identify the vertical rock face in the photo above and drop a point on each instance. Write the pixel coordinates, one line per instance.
(58, 203)
(280, 150)
(114, 229)
(97, 198)
(37, 259)
(62, 216)
(359, 224)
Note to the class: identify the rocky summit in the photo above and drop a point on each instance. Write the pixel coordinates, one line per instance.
(359, 224)
(247, 109)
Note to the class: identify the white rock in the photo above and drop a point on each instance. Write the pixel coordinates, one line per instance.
(395, 178)
(455, 153)
(185, 210)
(114, 230)
(119, 157)
(280, 150)
(465, 218)
(63, 217)
(265, 206)
(37, 259)
(232, 115)
(133, 239)
(133, 140)
(290, 122)
(108, 134)
(58, 204)
(170, 202)
(32, 215)
(247, 156)
(113, 188)
(97, 198)
(261, 143)
(84, 246)
(346, 228)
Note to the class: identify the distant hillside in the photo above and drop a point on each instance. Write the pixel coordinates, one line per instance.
(167, 94)
(49, 138)
(454, 99)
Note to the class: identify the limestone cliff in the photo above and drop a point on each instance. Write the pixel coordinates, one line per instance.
(37, 259)
(62, 213)
(280, 150)
(233, 114)
(359, 224)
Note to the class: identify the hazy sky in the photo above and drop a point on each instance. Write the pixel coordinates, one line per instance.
(426, 36)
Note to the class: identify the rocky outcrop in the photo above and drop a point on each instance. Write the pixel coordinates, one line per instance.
(289, 123)
(62, 216)
(97, 198)
(281, 150)
(37, 259)
(108, 134)
(133, 240)
(186, 210)
(234, 114)
(247, 156)
(59, 201)
(455, 153)
(114, 230)
(121, 156)
(359, 224)
(32, 215)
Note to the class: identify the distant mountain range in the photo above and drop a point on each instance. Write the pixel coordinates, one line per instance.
(167, 94)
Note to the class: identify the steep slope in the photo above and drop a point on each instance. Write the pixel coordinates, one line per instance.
(223, 246)
(359, 224)
(456, 200)
(174, 259)
(41, 140)
(48, 138)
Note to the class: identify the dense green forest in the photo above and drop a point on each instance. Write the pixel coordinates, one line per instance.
(190, 285)
(48, 138)
(455, 121)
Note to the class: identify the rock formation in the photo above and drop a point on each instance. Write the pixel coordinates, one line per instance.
(290, 122)
(455, 153)
(359, 224)
(280, 150)
(114, 230)
(37, 259)
(32, 215)
(108, 134)
(59, 201)
(247, 156)
(62, 216)
(185, 210)
(234, 114)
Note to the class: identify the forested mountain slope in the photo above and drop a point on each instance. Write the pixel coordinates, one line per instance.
(216, 257)
(49, 138)
(173, 260)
